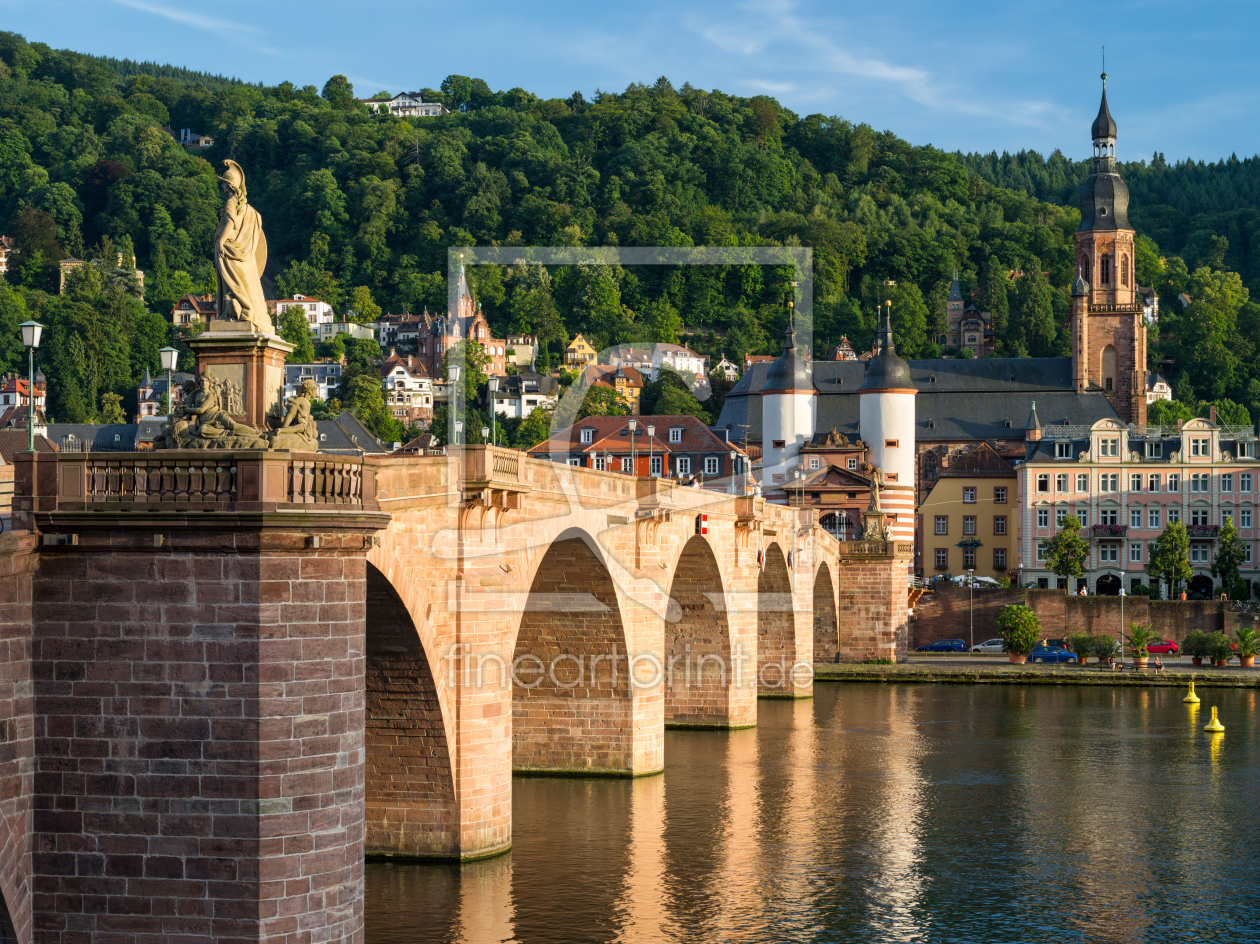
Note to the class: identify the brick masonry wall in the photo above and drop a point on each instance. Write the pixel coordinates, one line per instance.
(17, 741)
(698, 663)
(872, 610)
(826, 627)
(410, 790)
(776, 626)
(945, 614)
(199, 735)
(572, 715)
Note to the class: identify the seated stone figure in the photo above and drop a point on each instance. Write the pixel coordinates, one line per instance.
(213, 428)
(297, 430)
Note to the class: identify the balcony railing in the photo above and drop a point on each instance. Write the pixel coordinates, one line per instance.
(1203, 530)
(1109, 530)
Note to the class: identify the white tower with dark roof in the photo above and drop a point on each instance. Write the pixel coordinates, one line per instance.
(789, 406)
(886, 416)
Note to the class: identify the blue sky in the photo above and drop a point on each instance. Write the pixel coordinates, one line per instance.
(973, 76)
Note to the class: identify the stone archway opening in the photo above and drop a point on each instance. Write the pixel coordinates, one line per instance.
(699, 670)
(572, 706)
(409, 787)
(1200, 587)
(776, 629)
(826, 619)
(8, 933)
(1108, 585)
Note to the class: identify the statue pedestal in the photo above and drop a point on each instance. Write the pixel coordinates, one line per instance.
(249, 367)
(874, 530)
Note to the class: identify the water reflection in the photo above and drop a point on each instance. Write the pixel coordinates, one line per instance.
(881, 813)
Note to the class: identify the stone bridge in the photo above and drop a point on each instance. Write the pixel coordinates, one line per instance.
(226, 677)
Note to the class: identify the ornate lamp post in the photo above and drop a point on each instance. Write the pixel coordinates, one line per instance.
(731, 455)
(31, 333)
(651, 431)
(485, 434)
(459, 429)
(971, 602)
(1122, 629)
(169, 357)
(452, 374)
(633, 424)
(797, 476)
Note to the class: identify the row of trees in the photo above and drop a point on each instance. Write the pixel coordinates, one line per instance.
(1067, 554)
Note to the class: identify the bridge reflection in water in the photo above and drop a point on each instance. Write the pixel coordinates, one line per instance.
(878, 813)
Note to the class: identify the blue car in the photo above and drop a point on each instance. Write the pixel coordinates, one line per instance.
(1051, 654)
(944, 645)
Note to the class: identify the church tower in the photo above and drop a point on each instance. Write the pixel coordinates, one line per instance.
(1108, 333)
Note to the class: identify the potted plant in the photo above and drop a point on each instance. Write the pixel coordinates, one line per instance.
(1138, 636)
(1106, 647)
(1083, 645)
(1195, 645)
(1020, 631)
(1248, 644)
(1219, 649)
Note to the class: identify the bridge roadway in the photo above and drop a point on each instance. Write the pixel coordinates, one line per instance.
(226, 677)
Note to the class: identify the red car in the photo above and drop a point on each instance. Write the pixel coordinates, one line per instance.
(1161, 647)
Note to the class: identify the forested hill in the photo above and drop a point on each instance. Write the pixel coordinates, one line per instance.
(360, 207)
(1183, 207)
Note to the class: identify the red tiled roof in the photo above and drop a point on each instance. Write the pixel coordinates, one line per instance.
(13, 441)
(608, 437)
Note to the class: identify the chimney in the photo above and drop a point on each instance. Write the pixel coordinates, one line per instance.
(1212, 414)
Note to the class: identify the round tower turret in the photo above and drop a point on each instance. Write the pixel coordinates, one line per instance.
(886, 415)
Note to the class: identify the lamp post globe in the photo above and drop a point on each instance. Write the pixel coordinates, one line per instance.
(169, 357)
(492, 388)
(651, 431)
(32, 331)
(633, 424)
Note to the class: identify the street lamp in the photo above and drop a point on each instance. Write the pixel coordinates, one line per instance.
(452, 375)
(731, 456)
(634, 469)
(492, 388)
(651, 449)
(485, 434)
(31, 332)
(168, 357)
(1122, 630)
(971, 594)
(797, 475)
(459, 429)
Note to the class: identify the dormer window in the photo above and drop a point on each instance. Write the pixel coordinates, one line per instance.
(588, 435)
(675, 434)
(1063, 450)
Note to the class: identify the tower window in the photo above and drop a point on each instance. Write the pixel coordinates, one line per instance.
(890, 444)
(1124, 270)
(1104, 271)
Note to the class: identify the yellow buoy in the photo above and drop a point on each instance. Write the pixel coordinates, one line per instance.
(1191, 698)
(1214, 724)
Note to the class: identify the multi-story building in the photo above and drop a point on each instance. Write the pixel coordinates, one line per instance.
(151, 390)
(315, 311)
(680, 447)
(406, 105)
(521, 394)
(15, 395)
(1157, 387)
(326, 375)
(351, 329)
(469, 323)
(403, 329)
(1124, 484)
(8, 249)
(968, 519)
(194, 308)
(521, 351)
(408, 389)
(627, 381)
(680, 358)
(579, 353)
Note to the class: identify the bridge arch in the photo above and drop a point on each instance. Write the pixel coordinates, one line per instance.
(776, 625)
(699, 665)
(826, 619)
(410, 804)
(573, 704)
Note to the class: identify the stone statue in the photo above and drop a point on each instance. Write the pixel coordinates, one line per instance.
(877, 481)
(297, 430)
(240, 255)
(176, 430)
(233, 397)
(211, 427)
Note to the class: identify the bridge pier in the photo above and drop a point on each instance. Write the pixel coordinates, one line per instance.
(873, 610)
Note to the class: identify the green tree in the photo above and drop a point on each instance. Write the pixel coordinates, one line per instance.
(534, 429)
(602, 401)
(361, 307)
(339, 93)
(1229, 558)
(111, 409)
(1170, 556)
(1067, 552)
(295, 329)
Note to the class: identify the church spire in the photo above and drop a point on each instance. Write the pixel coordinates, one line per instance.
(1104, 127)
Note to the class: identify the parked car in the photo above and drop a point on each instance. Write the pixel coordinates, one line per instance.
(1161, 647)
(1051, 654)
(944, 645)
(989, 645)
(1058, 643)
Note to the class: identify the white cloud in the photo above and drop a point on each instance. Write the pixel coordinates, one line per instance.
(187, 18)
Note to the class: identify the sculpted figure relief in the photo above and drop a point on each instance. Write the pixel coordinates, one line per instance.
(240, 255)
(297, 430)
(210, 426)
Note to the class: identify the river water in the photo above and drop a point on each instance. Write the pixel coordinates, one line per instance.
(878, 812)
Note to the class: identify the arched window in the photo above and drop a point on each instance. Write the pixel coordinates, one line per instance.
(1108, 366)
(1104, 271)
(1085, 268)
(1124, 271)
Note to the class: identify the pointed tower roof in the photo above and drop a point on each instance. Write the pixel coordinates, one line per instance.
(886, 370)
(1033, 422)
(1080, 287)
(788, 372)
(1104, 125)
(955, 291)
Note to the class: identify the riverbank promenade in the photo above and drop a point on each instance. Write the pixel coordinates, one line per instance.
(996, 670)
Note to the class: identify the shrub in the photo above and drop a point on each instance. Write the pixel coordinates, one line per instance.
(1248, 643)
(1219, 647)
(1082, 644)
(1019, 628)
(1105, 647)
(1138, 636)
(1195, 644)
